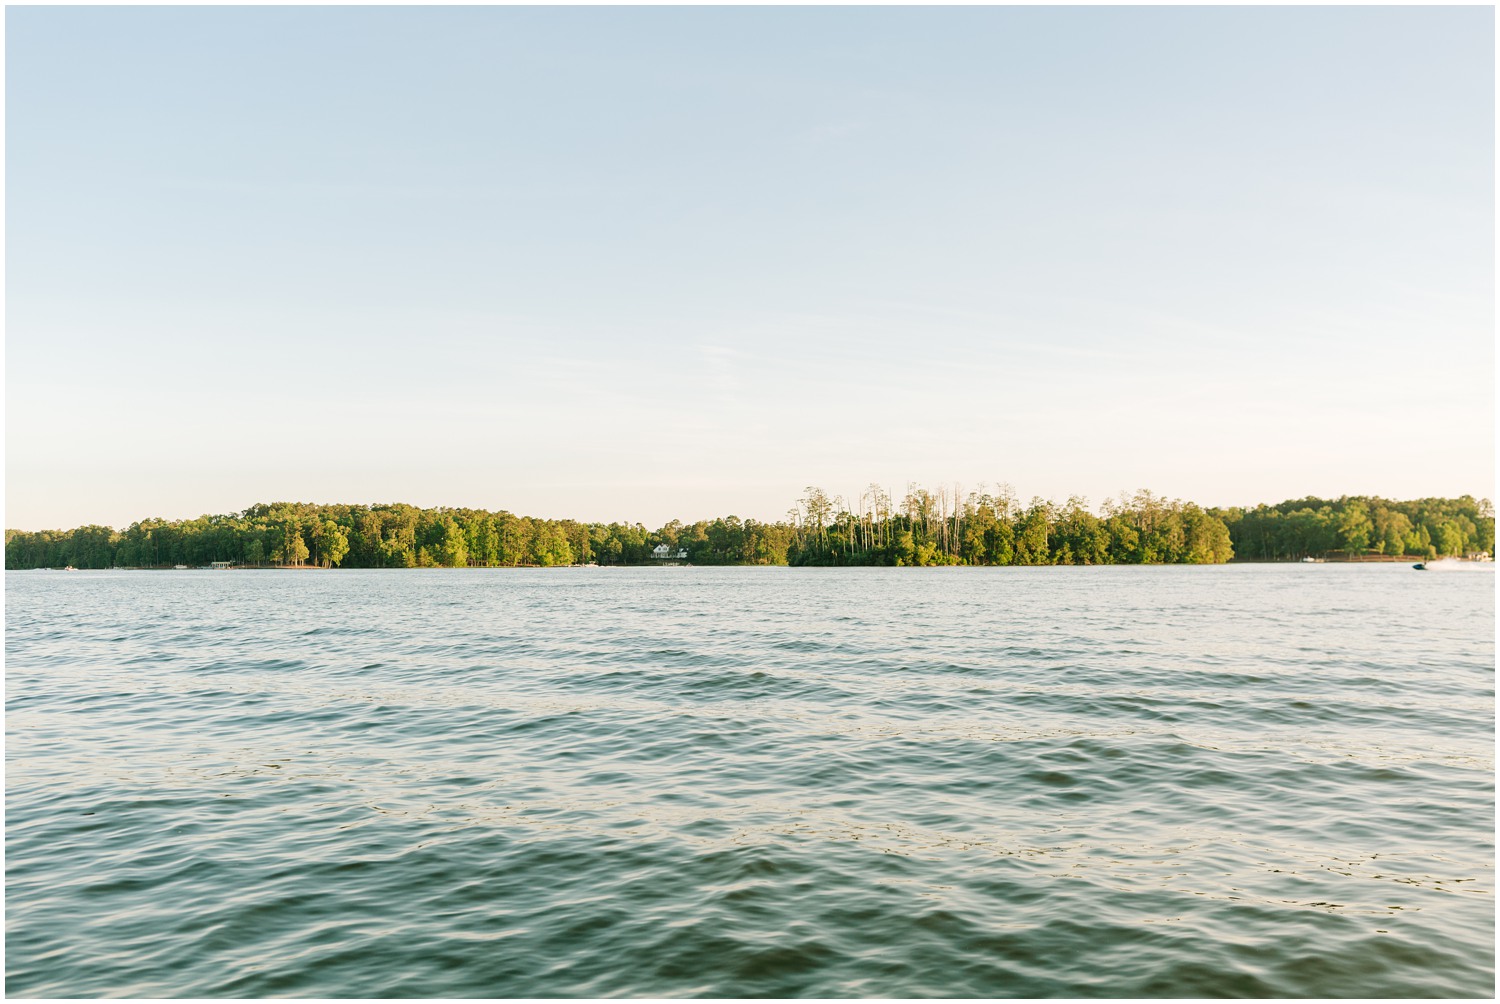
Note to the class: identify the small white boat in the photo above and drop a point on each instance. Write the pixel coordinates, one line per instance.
(179, 568)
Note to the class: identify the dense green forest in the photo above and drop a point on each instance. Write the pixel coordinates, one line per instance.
(1358, 526)
(921, 528)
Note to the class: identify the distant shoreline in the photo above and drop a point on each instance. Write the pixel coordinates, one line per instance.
(1368, 560)
(876, 528)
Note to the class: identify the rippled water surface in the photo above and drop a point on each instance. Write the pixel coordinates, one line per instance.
(1244, 780)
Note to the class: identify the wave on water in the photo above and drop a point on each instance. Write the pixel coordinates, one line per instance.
(1239, 781)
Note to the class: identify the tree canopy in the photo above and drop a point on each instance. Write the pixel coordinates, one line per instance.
(1357, 525)
(923, 527)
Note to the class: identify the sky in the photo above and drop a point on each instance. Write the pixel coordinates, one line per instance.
(644, 264)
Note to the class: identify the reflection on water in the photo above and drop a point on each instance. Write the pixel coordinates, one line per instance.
(1258, 780)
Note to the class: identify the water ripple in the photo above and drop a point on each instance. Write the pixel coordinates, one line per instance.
(1241, 781)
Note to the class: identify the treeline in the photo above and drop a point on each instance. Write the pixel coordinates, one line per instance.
(1359, 526)
(945, 527)
(389, 536)
(984, 528)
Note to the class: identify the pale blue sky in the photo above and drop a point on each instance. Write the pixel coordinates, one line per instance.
(637, 264)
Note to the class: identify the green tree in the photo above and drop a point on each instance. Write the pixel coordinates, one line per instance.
(333, 543)
(295, 549)
(1032, 532)
(550, 546)
(1355, 529)
(453, 546)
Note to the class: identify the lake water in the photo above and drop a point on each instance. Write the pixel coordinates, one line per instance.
(1242, 780)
